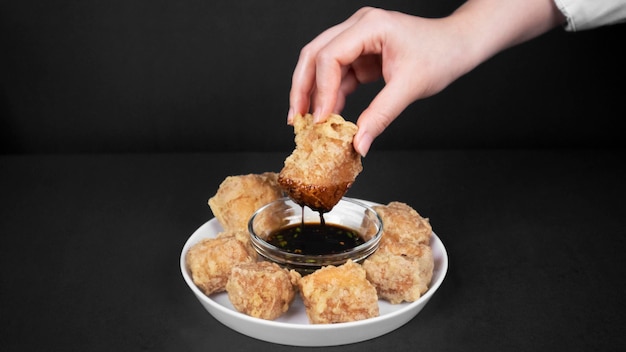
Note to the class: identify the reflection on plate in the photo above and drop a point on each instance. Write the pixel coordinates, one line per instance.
(293, 328)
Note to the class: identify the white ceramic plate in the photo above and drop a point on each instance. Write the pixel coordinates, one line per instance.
(293, 328)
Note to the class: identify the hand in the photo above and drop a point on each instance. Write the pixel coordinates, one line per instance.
(417, 57)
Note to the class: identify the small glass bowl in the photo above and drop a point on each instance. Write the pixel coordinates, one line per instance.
(284, 212)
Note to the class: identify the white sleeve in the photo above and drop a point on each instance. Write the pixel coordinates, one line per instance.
(587, 14)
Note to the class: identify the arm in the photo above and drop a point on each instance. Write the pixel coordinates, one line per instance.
(417, 57)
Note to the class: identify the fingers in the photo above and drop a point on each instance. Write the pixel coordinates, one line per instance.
(357, 47)
(302, 86)
(349, 83)
(304, 75)
(338, 60)
(317, 78)
(385, 107)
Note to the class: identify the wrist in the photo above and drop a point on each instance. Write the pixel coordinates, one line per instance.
(488, 27)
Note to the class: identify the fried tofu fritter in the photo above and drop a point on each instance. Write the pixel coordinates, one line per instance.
(402, 267)
(238, 197)
(324, 164)
(402, 223)
(337, 294)
(262, 289)
(211, 260)
(400, 273)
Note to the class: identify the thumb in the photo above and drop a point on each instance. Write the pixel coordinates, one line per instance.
(381, 112)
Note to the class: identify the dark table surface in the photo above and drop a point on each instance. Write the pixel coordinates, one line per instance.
(90, 246)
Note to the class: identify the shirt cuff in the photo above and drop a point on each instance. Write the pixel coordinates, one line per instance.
(587, 14)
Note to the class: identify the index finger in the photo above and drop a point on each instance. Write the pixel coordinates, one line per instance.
(359, 39)
(304, 79)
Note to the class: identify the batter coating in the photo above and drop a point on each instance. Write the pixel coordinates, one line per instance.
(324, 164)
(211, 260)
(338, 294)
(402, 267)
(401, 223)
(244, 238)
(400, 272)
(238, 197)
(262, 289)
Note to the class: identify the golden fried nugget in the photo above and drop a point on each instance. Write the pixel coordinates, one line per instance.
(238, 197)
(402, 223)
(337, 294)
(261, 289)
(324, 164)
(211, 260)
(243, 237)
(400, 272)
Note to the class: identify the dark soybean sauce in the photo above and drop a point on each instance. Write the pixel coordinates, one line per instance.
(315, 238)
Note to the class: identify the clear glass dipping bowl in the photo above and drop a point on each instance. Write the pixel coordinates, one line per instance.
(284, 212)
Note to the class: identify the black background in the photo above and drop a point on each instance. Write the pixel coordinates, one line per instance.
(119, 119)
(189, 75)
(90, 248)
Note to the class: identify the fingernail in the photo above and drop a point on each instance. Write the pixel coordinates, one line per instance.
(365, 141)
(290, 116)
(317, 115)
